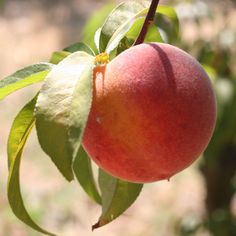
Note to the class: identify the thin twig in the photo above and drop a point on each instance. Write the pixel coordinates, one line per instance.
(149, 20)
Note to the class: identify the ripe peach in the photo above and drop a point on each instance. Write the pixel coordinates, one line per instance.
(153, 113)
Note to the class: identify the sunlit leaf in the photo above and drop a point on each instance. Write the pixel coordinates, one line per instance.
(153, 35)
(24, 77)
(79, 47)
(122, 19)
(58, 56)
(61, 55)
(97, 38)
(119, 22)
(117, 196)
(81, 102)
(58, 110)
(84, 174)
(20, 131)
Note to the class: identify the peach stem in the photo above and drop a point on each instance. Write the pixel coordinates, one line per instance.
(149, 19)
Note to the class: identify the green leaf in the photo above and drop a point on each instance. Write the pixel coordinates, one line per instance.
(168, 21)
(84, 174)
(117, 196)
(61, 55)
(81, 103)
(24, 77)
(124, 44)
(153, 34)
(20, 131)
(122, 19)
(79, 47)
(171, 14)
(58, 112)
(58, 56)
(97, 36)
(211, 72)
(119, 22)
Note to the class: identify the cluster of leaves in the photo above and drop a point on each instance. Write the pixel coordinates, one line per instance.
(62, 106)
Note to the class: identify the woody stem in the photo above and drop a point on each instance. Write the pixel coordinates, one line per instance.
(149, 19)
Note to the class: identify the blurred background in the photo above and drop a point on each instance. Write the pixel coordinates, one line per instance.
(199, 201)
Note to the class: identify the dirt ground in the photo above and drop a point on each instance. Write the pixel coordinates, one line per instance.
(29, 32)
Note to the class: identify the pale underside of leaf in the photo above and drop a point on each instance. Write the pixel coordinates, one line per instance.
(20, 131)
(24, 77)
(81, 103)
(56, 103)
(122, 30)
(117, 196)
(97, 36)
(119, 21)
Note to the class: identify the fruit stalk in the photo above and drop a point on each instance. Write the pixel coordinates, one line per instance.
(149, 20)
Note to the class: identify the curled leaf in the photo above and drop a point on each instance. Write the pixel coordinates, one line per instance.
(125, 19)
(117, 196)
(119, 22)
(65, 96)
(79, 47)
(20, 131)
(24, 77)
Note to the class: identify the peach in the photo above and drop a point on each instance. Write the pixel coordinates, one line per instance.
(153, 113)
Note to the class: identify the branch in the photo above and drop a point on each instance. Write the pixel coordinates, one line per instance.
(149, 20)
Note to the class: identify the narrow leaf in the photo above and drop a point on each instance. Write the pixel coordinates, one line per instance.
(119, 22)
(61, 55)
(20, 131)
(58, 56)
(24, 77)
(79, 47)
(168, 21)
(122, 18)
(97, 36)
(57, 107)
(171, 14)
(153, 34)
(84, 174)
(117, 196)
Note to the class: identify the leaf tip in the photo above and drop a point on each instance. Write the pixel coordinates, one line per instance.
(96, 226)
(101, 222)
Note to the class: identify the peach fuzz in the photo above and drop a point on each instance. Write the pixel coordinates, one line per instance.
(153, 113)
